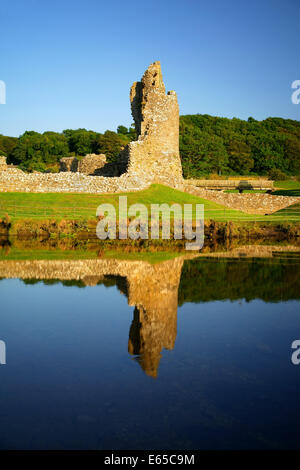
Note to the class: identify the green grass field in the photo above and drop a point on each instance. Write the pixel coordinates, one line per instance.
(287, 188)
(83, 206)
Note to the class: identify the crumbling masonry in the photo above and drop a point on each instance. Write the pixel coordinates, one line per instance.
(155, 155)
(152, 158)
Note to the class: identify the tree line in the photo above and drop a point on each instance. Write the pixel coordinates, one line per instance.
(33, 151)
(208, 145)
(234, 146)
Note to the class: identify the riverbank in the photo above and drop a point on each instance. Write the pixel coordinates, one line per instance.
(32, 216)
(50, 229)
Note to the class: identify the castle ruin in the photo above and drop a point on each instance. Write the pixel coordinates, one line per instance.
(152, 158)
(155, 155)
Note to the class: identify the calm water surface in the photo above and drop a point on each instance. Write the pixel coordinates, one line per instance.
(128, 355)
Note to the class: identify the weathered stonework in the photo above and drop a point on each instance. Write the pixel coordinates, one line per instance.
(154, 157)
(88, 165)
(251, 203)
(3, 165)
(15, 180)
(91, 163)
(68, 164)
(242, 184)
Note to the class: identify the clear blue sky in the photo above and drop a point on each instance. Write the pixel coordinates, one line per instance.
(70, 63)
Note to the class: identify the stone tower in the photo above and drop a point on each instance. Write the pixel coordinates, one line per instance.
(154, 157)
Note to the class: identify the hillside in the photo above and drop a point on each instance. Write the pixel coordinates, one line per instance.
(208, 145)
(214, 144)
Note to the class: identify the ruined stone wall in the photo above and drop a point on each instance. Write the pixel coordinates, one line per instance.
(251, 203)
(259, 183)
(87, 165)
(91, 163)
(15, 180)
(3, 165)
(154, 157)
(68, 164)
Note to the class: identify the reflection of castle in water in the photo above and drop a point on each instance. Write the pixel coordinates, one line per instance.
(154, 326)
(151, 289)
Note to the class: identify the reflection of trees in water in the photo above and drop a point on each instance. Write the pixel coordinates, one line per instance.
(272, 279)
(156, 290)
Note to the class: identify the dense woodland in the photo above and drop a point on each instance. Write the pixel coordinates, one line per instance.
(208, 145)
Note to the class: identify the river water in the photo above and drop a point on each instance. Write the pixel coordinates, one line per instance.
(116, 353)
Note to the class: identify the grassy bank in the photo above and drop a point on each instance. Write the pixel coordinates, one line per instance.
(74, 249)
(80, 207)
(83, 206)
(28, 229)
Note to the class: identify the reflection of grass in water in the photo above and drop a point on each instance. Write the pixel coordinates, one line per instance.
(150, 257)
(16, 254)
(19, 254)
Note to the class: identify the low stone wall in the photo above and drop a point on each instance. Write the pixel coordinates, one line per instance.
(88, 165)
(3, 165)
(15, 180)
(251, 203)
(243, 183)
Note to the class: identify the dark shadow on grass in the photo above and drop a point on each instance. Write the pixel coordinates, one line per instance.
(287, 192)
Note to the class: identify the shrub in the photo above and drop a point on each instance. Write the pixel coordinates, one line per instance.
(215, 176)
(277, 175)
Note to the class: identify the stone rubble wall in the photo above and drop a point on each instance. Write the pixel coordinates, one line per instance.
(3, 164)
(68, 164)
(88, 165)
(258, 183)
(251, 203)
(91, 163)
(15, 180)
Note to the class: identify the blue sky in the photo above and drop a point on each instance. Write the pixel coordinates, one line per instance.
(70, 64)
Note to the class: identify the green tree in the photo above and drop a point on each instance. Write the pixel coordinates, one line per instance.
(122, 130)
